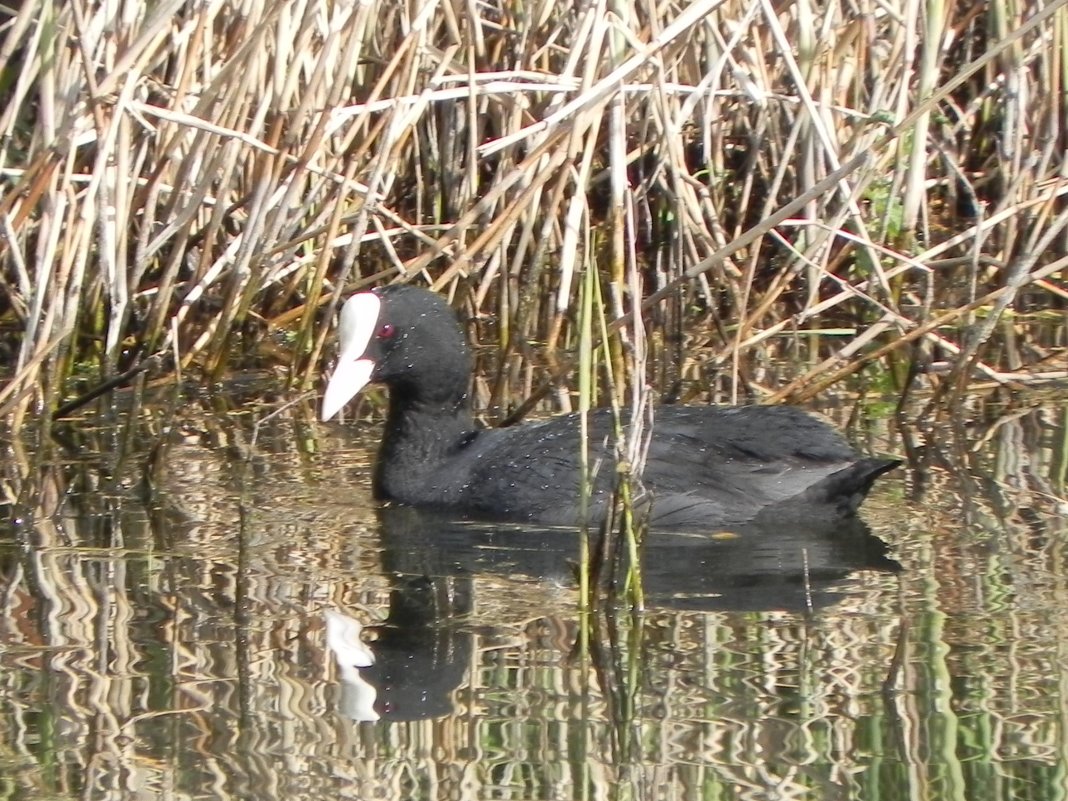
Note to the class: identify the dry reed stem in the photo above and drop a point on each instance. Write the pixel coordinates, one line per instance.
(171, 178)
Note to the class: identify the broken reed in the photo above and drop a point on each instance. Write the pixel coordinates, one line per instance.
(192, 179)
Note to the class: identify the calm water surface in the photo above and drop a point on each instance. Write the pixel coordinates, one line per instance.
(194, 606)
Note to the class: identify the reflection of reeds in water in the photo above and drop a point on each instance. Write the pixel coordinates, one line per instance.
(194, 180)
(180, 644)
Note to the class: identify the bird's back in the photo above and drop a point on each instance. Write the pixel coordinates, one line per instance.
(705, 466)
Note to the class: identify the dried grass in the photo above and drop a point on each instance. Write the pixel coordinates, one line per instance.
(191, 179)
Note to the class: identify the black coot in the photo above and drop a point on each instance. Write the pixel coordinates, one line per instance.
(707, 467)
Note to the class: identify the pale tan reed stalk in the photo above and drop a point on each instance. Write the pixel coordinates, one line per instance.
(188, 179)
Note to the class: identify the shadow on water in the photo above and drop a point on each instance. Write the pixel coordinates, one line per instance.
(758, 566)
(172, 592)
(421, 655)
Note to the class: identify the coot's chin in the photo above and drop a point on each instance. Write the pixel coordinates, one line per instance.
(706, 467)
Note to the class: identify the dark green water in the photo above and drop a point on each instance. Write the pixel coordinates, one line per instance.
(166, 586)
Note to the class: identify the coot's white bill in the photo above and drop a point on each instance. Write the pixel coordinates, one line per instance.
(359, 317)
(350, 376)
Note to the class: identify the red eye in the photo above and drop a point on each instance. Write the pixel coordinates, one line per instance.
(386, 331)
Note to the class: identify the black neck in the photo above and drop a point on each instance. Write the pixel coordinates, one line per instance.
(418, 437)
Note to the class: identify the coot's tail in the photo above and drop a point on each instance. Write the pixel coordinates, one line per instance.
(841, 493)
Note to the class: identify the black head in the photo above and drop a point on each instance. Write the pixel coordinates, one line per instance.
(404, 337)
